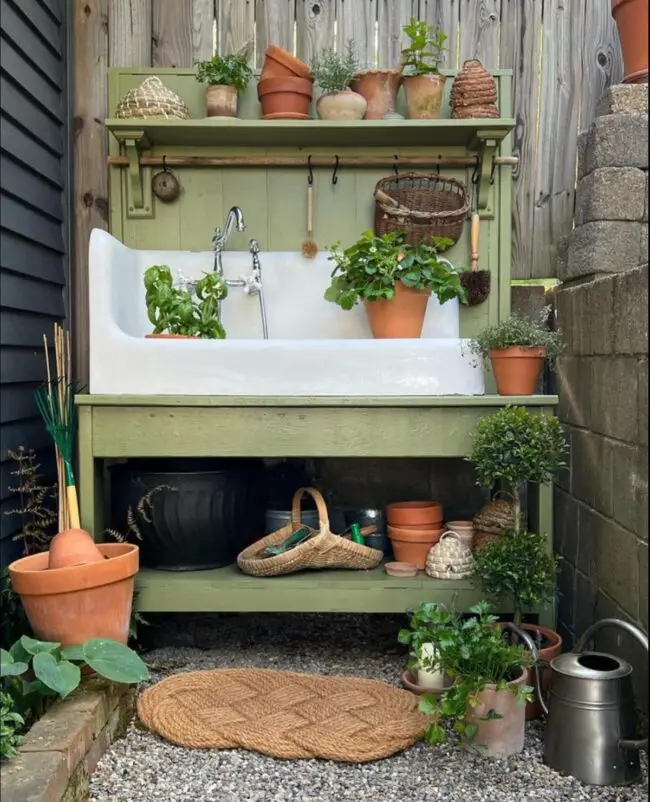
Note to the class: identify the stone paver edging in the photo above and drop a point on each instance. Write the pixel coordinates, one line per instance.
(61, 750)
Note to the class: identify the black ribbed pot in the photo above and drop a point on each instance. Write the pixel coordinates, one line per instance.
(215, 510)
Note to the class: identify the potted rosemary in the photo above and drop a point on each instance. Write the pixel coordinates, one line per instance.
(183, 312)
(517, 348)
(393, 280)
(421, 60)
(225, 77)
(334, 73)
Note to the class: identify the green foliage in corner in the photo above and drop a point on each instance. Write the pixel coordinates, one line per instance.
(11, 723)
(519, 331)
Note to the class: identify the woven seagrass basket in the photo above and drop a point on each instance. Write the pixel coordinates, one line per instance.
(497, 516)
(152, 99)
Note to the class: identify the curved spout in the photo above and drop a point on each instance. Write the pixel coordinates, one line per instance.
(533, 650)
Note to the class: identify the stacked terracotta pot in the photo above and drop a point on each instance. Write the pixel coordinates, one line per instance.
(413, 528)
(474, 93)
(285, 87)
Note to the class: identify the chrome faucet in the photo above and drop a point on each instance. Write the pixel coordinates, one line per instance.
(220, 238)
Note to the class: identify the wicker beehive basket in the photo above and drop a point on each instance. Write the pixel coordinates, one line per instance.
(497, 516)
(152, 99)
(449, 559)
(474, 92)
(428, 205)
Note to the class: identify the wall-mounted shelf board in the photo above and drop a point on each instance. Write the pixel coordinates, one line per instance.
(315, 133)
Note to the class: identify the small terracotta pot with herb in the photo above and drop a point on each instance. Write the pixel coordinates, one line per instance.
(421, 60)
(334, 74)
(225, 77)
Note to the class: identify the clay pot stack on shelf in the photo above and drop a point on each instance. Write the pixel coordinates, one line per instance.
(285, 87)
(474, 92)
(413, 528)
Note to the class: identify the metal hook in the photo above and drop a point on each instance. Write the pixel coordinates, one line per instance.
(335, 177)
(164, 165)
(492, 171)
(475, 176)
(310, 177)
(438, 164)
(395, 165)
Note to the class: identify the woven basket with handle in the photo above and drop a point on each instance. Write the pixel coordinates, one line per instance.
(322, 550)
(152, 99)
(422, 205)
(497, 516)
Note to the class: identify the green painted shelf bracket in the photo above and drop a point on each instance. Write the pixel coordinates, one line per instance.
(139, 197)
(486, 146)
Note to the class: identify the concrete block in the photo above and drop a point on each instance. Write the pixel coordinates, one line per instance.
(563, 479)
(588, 523)
(643, 585)
(614, 399)
(617, 140)
(630, 488)
(591, 470)
(623, 99)
(565, 514)
(642, 405)
(610, 193)
(573, 376)
(565, 317)
(597, 314)
(586, 594)
(630, 321)
(643, 247)
(645, 199)
(603, 246)
(617, 564)
(566, 593)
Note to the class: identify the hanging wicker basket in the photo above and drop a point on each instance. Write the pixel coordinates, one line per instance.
(497, 516)
(421, 205)
(152, 99)
(449, 559)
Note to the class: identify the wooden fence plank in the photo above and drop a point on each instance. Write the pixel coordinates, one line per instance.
(314, 27)
(602, 58)
(479, 31)
(203, 15)
(444, 14)
(172, 33)
(520, 50)
(274, 25)
(357, 19)
(235, 24)
(91, 176)
(392, 16)
(129, 33)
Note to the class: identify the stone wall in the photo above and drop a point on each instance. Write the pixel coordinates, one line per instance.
(602, 379)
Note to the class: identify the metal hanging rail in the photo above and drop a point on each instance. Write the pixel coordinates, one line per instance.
(316, 161)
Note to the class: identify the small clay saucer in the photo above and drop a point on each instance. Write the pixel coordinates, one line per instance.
(401, 569)
(290, 115)
(408, 681)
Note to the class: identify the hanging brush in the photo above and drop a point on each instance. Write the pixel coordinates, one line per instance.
(475, 282)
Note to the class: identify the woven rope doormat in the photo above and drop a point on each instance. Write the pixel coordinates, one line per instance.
(283, 714)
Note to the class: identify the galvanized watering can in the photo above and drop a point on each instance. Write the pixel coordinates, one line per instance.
(591, 717)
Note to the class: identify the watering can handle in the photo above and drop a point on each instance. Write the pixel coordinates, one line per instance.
(533, 650)
(640, 636)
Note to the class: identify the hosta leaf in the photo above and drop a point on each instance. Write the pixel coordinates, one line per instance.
(73, 652)
(19, 653)
(114, 660)
(61, 676)
(10, 667)
(33, 647)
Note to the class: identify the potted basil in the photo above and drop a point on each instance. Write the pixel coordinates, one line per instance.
(225, 77)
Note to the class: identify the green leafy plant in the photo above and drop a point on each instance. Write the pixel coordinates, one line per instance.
(334, 71)
(14, 620)
(474, 654)
(370, 269)
(429, 623)
(11, 723)
(231, 70)
(518, 568)
(519, 331)
(424, 55)
(177, 310)
(515, 446)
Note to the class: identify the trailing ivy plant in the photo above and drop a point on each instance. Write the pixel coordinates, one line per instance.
(519, 331)
(515, 446)
(370, 269)
(425, 53)
(177, 310)
(334, 71)
(518, 568)
(231, 70)
(11, 724)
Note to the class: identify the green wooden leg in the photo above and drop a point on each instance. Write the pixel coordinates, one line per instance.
(544, 525)
(90, 479)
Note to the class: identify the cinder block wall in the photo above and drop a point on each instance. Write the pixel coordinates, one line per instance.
(602, 307)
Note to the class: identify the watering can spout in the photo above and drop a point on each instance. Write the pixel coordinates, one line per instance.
(525, 637)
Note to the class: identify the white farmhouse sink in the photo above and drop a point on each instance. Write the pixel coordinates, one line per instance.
(314, 348)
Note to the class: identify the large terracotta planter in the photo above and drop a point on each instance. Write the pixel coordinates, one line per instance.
(631, 17)
(424, 96)
(517, 370)
(412, 544)
(285, 97)
(279, 63)
(400, 318)
(71, 605)
(379, 87)
(220, 101)
(414, 513)
(347, 105)
(500, 737)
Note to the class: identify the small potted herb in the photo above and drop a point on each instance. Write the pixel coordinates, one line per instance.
(225, 77)
(333, 73)
(517, 348)
(519, 568)
(182, 312)
(421, 60)
(393, 280)
(485, 704)
(428, 624)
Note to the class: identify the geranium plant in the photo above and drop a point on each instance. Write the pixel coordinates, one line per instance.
(334, 71)
(519, 331)
(370, 269)
(177, 310)
(425, 53)
(231, 70)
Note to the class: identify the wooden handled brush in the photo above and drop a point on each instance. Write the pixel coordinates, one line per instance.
(309, 247)
(476, 283)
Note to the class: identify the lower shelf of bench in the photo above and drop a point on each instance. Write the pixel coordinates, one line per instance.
(228, 590)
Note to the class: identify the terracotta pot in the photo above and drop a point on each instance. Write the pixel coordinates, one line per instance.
(631, 17)
(517, 370)
(279, 63)
(73, 547)
(285, 96)
(71, 605)
(503, 736)
(424, 95)
(413, 545)
(414, 513)
(400, 318)
(379, 88)
(169, 337)
(465, 534)
(220, 101)
(347, 105)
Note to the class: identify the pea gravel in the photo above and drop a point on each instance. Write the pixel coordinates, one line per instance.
(143, 768)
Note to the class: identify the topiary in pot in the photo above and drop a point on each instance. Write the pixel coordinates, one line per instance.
(517, 348)
(334, 73)
(225, 77)
(421, 60)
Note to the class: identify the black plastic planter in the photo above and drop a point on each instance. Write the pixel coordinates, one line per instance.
(215, 509)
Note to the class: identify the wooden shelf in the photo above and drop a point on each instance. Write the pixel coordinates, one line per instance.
(315, 133)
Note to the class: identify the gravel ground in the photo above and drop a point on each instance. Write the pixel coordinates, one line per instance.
(143, 768)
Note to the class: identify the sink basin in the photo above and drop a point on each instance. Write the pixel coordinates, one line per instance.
(314, 348)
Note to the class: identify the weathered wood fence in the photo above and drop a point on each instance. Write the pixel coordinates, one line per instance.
(563, 54)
